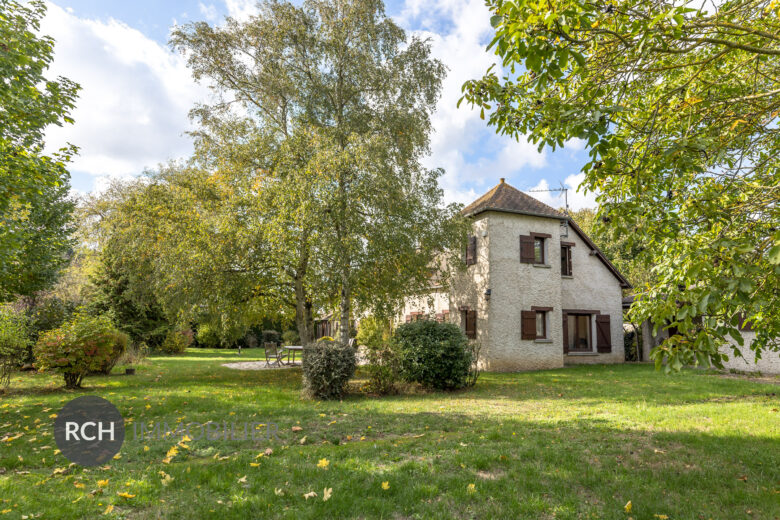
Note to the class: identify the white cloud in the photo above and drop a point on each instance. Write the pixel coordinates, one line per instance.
(459, 31)
(241, 9)
(209, 12)
(133, 108)
(578, 199)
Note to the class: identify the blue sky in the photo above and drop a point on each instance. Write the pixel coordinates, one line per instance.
(132, 112)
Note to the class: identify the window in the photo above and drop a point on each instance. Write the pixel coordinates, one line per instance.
(532, 248)
(471, 251)
(541, 325)
(533, 323)
(538, 250)
(566, 261)
(579, 332)
(468, 320)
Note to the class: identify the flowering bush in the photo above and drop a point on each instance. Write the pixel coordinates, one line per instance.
(79, 346)
(13, 342)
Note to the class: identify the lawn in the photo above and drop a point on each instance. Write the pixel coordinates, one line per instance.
(569, 443)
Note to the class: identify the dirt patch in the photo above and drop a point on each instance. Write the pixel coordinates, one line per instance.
(256, 365)
(753, 378)
(491, 475)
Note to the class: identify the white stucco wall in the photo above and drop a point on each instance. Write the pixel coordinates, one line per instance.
(516, 287)
(768, 364)
(468, 285)
(592, 286)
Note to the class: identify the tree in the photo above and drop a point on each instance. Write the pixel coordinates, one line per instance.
(625, 254)
(34, 212)
(678, 108)
(332, 121)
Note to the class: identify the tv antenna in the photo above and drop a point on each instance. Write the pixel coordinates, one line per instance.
(565, 190)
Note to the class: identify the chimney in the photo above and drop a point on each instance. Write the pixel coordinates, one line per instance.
(502, 180)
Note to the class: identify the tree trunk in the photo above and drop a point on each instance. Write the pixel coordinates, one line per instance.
(344, 309)
(304, 320)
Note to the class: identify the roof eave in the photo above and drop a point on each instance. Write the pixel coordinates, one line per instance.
(514, 211)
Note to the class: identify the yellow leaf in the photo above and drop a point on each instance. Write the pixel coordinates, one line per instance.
(109, 509)
(385, 485)
(254, 464)
(326, 493)
(661, 517)
(146, 448)
(242, 479)
(117, 456)
(310, 494)
(125, 494)
(79, 485)
(5, 511)
(323, 463)
(627, 507)
(471, 488)
(102, 483)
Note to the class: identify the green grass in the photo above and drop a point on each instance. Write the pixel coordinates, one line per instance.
(569, 443)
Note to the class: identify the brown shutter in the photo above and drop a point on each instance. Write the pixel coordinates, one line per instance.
(527, 249)
(471, 324)
(471, 251)
(565, 333)
(528, 324)
(603, 336)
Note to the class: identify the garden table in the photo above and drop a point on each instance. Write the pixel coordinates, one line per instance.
(292, 349)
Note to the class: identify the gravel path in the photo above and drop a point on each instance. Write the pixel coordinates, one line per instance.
(256, 365)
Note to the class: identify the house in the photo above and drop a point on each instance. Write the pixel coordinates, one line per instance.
(535, 292)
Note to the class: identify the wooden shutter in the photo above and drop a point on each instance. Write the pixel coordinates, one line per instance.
(471, 324)
(565, 333)
(527, 249)
(471, 251)
(528, 324)
(603, 335)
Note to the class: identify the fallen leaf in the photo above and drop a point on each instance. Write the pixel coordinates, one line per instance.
(627, 507)
(125, 494)
(323, 463)
(109, 509)
(385, 485)
(661, 517)
(471, 488)
(296, 428)
(102, 483)
(268, 452)
(254, 464)
(326, 494)
(279, 492)
(303, 440)
(310, 494)
(242, 479)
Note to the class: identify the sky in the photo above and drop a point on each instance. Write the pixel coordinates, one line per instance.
(132, 112)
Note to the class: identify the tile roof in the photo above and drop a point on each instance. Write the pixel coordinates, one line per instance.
(504, 197)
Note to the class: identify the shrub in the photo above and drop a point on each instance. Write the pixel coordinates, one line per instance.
(177, 341)
(207, 336)
(120, 340)
(382, 367)
(291, 337)
(436, 355)
(46, 313)
(14, 339)
(327, 368)
(81, 345)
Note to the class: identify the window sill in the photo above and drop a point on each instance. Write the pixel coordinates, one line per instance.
(582, 353)
(568, 276)
(544, 266)
(543, 340)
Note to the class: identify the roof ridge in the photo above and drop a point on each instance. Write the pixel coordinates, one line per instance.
(505, 197)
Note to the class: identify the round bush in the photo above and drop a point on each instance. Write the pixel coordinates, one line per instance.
(82, 345)
(327, 368)
(436, 355)
(14, 339)
(177, 341)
